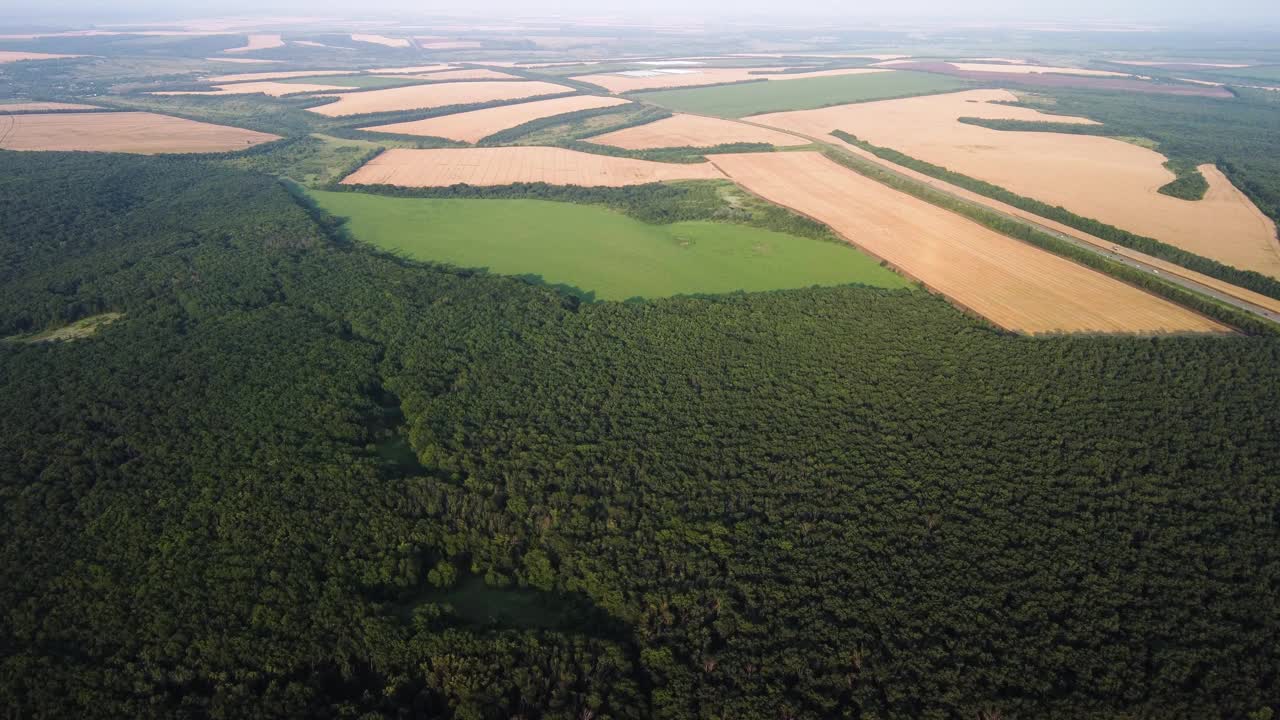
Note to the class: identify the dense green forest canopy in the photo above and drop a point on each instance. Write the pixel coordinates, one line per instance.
(843, 502)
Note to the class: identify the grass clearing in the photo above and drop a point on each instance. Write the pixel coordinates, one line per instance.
(78, 330)
(735, 101)
(600, 253)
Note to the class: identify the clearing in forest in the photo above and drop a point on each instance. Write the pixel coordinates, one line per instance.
(507, 165)
(8, 56)
(1014, 285)
(734, 101)
(132, 132)
(632, 80)
(598, 251)
(78, 330)
(259, 41)
(425, 97)
(682, 130)
(478, 124)
(1097, 177)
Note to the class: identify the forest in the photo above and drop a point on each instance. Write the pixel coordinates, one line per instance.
(298, 477)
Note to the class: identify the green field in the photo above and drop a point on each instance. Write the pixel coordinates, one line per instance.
(759, 97)
(599, 252)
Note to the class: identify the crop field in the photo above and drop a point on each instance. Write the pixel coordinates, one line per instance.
(478, 124)
(132, 132)
(410, 70)
(1012, 284)
(600, 251)
(381, 40)
(467, 74)
(423, 97)
(8, 56)
(734, 101)
(268, 87)
(1017, 75)
(1025, 69)
(682, 130)
(282, 75)
(259, 41)
(689, 77)
(1097, 177)
(507, 165)
(7, 107)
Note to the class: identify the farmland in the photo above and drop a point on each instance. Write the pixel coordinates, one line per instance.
(507, 165)
(132, 132)
(478, 124)
(1097, 177)
(416, 97)
(654, 79)
(259, 41)
(601, 253)
(733, 101)
(11, 107)
(272, 88)
(10, 56)
(1014, 285)
(692, 131)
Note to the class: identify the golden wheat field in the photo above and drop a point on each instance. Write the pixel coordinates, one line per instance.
(478, 124)
(1012, 284)
(1097, 177)
(131, 132)
(507, 165)
(681, 130)
(424, 97)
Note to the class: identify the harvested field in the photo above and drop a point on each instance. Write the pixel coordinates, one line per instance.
(1010, 75)
(466, 74)
(8, 56)
(448, 44)
(653, 79)
(1014, 285)
(681, 130)
(274, 89)
(1036, 69)
(381, 40)
(479, 124)
(411, 70)
(264, 41)
(1178, 65)
(245, 61)
(423, 97)
(43, 107)
(1096, 177)
(132, 132)
(255, 77)
(507, 165)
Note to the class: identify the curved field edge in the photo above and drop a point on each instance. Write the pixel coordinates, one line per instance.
(598, 253)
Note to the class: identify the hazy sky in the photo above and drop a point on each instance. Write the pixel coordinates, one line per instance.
(1154, 11)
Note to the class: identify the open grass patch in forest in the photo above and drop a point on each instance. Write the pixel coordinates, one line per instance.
(77, 330)
(740, 100)
(598, 253)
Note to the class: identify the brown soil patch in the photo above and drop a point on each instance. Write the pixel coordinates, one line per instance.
(132, 132)
(689, 77)
(263, 41)
(1015, 285)
(682, 130)
(478, 124)
(1096, 177)
(381, 40)
(423, 97)
(8, 56)
(507, 165)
